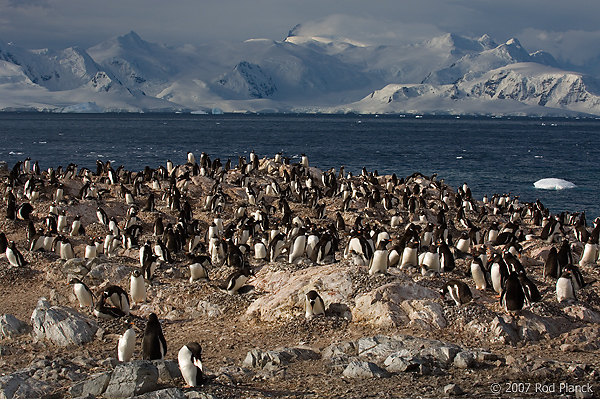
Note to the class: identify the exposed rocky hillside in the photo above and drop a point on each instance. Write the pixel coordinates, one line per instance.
(387, 334)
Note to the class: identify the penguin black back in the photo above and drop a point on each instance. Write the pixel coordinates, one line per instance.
(154, 345)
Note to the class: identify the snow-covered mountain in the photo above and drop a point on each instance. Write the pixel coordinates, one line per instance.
(449, 74)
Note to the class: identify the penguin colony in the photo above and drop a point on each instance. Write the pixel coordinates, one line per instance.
(256, 212)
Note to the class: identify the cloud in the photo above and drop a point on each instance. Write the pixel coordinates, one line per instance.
(367, 30)
(576, 47)
(28, 3)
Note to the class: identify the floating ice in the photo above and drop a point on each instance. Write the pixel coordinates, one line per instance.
(553, 184)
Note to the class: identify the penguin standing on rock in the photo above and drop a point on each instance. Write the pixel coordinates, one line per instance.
(512, 297)
(154, 344)
(190, 364)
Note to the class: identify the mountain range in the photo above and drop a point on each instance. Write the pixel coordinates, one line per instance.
(447, 75)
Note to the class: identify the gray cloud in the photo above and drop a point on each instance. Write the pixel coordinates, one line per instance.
(565, 28)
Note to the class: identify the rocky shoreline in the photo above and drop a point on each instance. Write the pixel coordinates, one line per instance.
(383, 335)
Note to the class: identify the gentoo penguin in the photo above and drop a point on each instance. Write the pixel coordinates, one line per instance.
(154, 345)
(76, 227)
(447, 263)
(126, 343)
(430, 263)
(498, 273)
(236, 280)
(137, 286)
(102, 216)
(313, 304)
(297, 246)
(190, 364)
(91, 250)
(512, 297)
(532, 294)
(576, 277)
(478, 273)
(380, 261)
(458, 291)
(199, 268)
(3, 242)
(106, 312)
(260, 250)
(15, 258)
(118, 297)
(463, 245)
(590, 253)
(409, 255)
(82, 292)
(565, 291)
(66, 249)
(551, 267)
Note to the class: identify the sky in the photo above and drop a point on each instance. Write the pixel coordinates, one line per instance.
(568, 30)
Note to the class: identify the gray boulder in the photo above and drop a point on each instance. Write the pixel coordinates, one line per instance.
(76, 267)
(361, 369)
(257, 358)
(61, 325)
(169, 393)
(168, 370)
(21, 385)
(93, 385)
(108, 272)
(131, 379)
(10, 326)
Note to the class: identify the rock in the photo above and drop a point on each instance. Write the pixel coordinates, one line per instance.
(61, 325)
(20, 385)
(168, 370)
(343, 348)
(209, 309)
(400, 364)
(285, 290)
(94, 385)
(10, 326)
(108, 272)
(380, 307)
(360, 369)
(445, 355)
(464, 360)
(199, 395)
(502, 332)
(132, 378)
(425, 314)
(582, 313)
(257, 358)
(76, 267)
(453, 389)
(532, 327)
(169, 393)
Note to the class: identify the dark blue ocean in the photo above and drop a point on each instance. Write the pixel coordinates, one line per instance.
(491, 155)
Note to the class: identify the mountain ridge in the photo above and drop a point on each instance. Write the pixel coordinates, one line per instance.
(297, 74)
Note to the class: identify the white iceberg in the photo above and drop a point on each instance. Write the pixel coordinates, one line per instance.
(553, 184)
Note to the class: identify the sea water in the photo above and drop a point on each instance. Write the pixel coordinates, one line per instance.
(491, 155)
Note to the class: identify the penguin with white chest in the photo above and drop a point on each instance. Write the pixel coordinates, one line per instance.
(82, 292)
(199, 268)
(137, 287)
(313, 304)
(458, 291)
(190, 364)
(380, 261)
(126, 344)
(565, 290)
(15, 258)
(154, 344)
(236, 280)
(118, 297)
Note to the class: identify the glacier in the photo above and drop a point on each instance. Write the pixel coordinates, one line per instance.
(447, 75)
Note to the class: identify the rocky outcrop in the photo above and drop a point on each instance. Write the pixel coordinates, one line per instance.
(61, 325)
